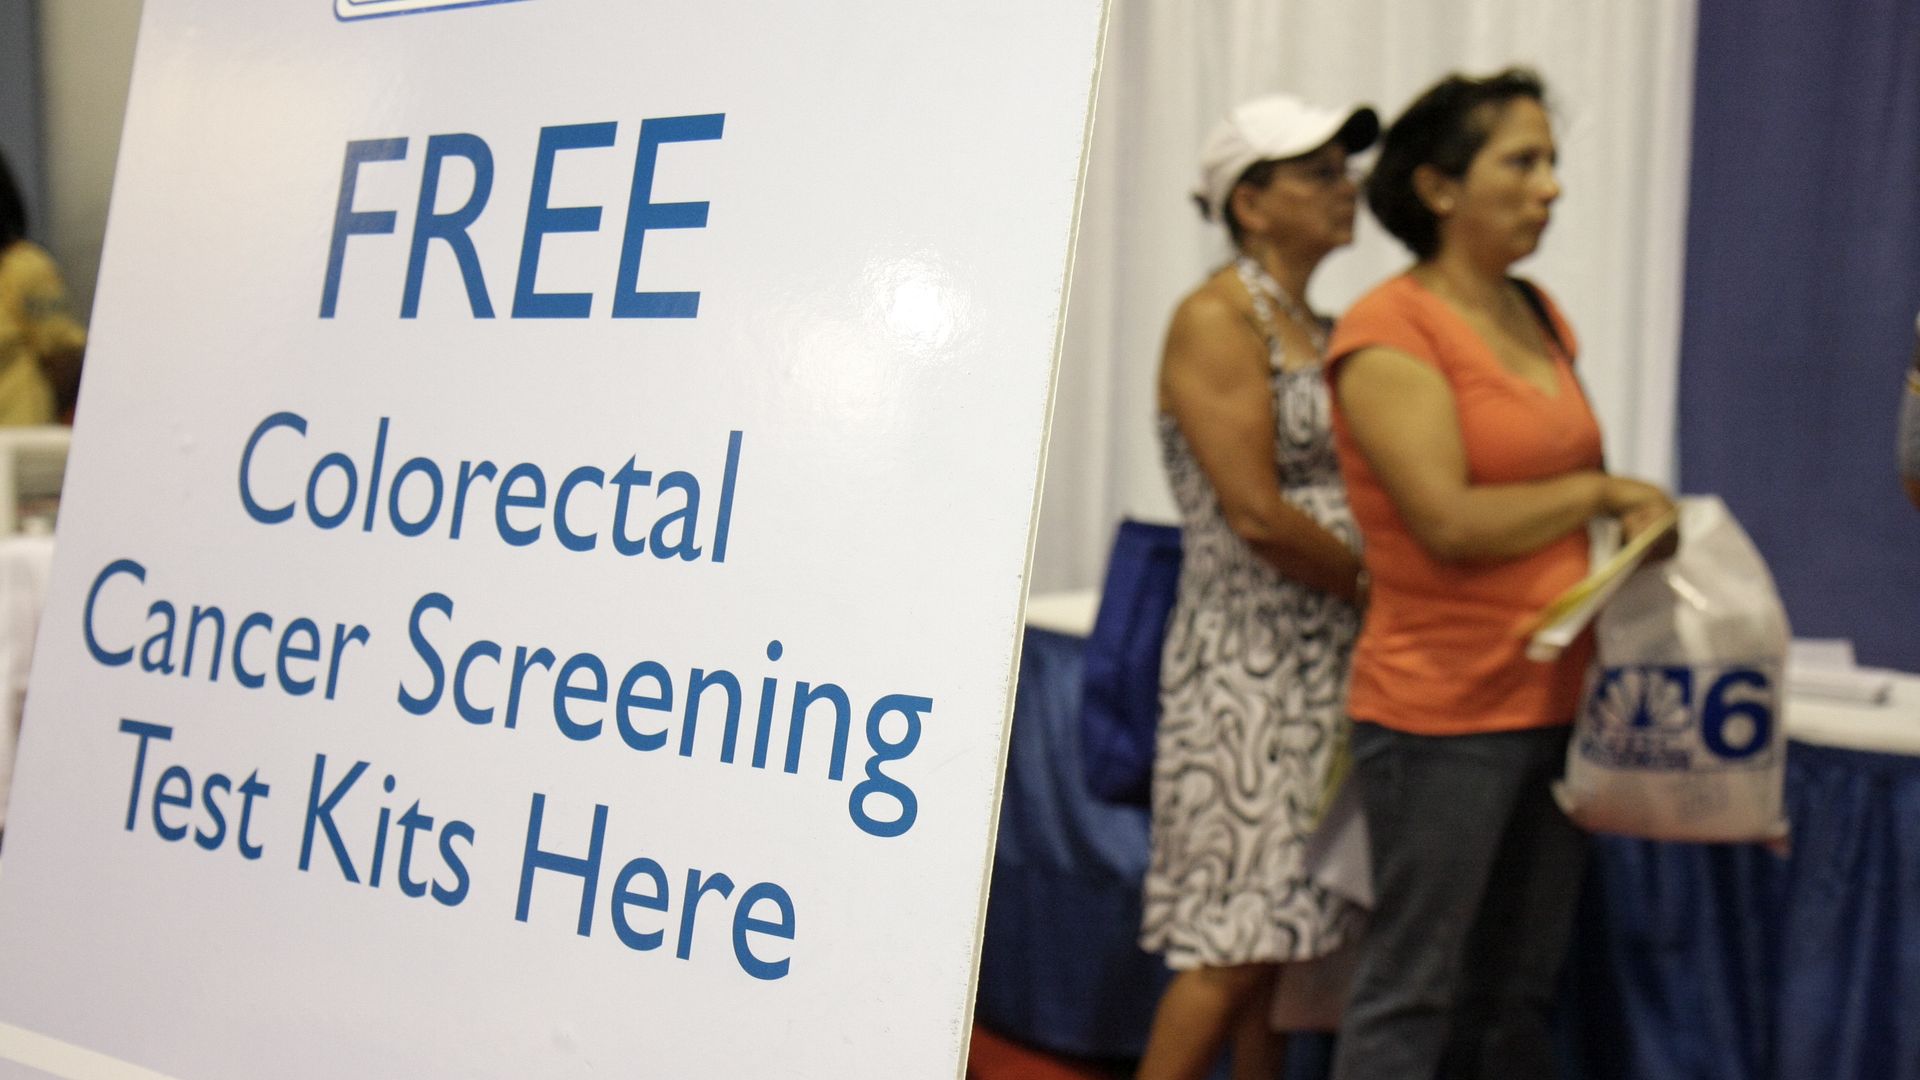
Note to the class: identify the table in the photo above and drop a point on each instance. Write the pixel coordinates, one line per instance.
(1703, 962)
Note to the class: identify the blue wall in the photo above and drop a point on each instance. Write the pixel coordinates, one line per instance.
(1802, 281)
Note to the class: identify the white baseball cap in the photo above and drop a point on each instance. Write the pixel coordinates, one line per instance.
(1273, 128)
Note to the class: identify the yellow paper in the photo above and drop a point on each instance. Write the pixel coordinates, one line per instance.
(1583, 598)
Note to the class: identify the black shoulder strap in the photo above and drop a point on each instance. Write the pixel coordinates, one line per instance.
(1539, 307)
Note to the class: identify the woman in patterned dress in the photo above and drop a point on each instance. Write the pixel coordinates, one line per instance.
(1253, 676)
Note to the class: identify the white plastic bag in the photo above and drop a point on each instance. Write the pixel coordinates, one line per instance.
(1679, 733)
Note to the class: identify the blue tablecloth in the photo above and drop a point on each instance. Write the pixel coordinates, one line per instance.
(1059, 967)
(1691, 962)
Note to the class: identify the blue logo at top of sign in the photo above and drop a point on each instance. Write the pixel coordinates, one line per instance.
(347, 10)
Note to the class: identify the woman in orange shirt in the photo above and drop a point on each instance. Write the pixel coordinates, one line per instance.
(1473, 463)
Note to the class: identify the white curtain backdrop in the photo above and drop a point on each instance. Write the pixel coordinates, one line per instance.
(1620, 79)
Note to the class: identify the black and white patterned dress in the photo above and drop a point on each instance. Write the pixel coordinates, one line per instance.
(1253, 688)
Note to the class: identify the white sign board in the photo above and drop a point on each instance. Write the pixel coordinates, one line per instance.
(539, 578)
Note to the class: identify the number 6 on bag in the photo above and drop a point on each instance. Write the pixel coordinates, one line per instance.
(1679, 735)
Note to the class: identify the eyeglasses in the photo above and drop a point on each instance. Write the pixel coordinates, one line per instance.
(1327, 175)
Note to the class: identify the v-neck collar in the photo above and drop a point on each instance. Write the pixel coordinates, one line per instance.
(1556, 354)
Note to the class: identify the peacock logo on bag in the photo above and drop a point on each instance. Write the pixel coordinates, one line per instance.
(353, 10)
(1658, 718)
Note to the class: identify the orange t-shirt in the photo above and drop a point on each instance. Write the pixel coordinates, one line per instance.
(1442, 650)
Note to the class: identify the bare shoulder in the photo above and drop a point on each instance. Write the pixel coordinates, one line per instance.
(1212, 348)
(1222, 293)
(1215, 318)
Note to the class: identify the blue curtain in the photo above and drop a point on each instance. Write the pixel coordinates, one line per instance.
(1802, 282)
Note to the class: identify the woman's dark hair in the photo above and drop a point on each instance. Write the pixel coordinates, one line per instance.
(1259, 174)
(13, 208)
(1445, 127)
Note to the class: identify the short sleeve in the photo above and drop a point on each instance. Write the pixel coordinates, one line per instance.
(1389, 317)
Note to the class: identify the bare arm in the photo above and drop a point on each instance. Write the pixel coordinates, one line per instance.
(1214, 382)
(1403, 416)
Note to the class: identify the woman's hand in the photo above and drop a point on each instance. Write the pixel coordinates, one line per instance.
(1640, 506)
(1623, 496)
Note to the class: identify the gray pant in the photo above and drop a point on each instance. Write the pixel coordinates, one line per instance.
(1476, 873)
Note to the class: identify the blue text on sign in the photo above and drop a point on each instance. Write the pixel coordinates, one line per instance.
(452, 227)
